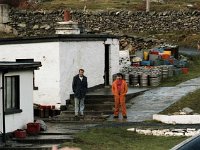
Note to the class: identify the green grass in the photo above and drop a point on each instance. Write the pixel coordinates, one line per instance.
(194, 72)
(191, 100)
(119, 138)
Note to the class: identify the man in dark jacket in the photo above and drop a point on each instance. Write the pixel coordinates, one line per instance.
(79, 87)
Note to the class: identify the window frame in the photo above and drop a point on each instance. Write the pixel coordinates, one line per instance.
(14, 100)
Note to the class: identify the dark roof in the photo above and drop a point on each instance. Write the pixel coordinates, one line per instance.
(57, 38)
(7, 65)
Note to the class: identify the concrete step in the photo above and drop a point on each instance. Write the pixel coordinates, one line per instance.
(99, 107)
(100, 99)
(21, 146)
(103, 112)
(45, 139)
(71, 117)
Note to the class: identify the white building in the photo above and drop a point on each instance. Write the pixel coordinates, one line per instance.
(16, 94)
(61, 57)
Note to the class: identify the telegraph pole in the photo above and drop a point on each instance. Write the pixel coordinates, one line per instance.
(147, 5)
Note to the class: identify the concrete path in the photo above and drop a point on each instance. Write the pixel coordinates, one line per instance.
(156, 100)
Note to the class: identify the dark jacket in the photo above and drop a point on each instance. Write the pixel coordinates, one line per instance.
(79, 87)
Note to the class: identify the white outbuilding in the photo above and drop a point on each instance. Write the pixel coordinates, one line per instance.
(16, 94)
(61, 57)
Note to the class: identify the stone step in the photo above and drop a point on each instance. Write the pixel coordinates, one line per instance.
(86, 118)
(103, 112)
(99, 99)
(99, 107)
(45, 139)
(21, 146)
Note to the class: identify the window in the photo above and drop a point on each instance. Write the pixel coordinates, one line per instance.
(11, 94)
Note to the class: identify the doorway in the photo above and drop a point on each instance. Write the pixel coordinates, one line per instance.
(107, 65)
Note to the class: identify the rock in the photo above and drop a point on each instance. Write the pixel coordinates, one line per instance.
(5, 28)
(176, 113)
(46, 27)
(146, 132)
(158, 132)
(131, 129)
(22, 25)
(36, 27)
(190, 133)
(169, 134)
(187, 110)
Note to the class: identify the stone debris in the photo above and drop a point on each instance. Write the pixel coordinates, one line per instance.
(187, 110)
(166, 132)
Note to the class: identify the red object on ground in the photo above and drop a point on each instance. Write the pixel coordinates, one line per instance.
(53, 107)
(154, 52)
(185, 70)
(33, 128)
(165, 56)
(19, 133)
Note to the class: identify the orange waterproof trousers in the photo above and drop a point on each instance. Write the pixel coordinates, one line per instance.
(120, 101)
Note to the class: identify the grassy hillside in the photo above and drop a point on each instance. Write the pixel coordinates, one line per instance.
(120, 4)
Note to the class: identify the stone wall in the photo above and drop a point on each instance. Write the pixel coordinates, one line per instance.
(37, 23)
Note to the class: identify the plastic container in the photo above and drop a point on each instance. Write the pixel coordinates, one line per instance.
(145, 55)
(168, 53)
(19, 133)
(165, 56)
(153, 57)
(33, 128)
(185, 70)
(145, 63)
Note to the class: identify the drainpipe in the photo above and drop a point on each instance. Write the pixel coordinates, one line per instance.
(3, 109)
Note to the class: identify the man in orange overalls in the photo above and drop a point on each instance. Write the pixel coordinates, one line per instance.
(119, 90)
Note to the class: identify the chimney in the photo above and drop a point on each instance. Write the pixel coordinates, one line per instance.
(67, 16)
(67, 26)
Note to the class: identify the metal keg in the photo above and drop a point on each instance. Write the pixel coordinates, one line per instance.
(170, 73)
(154, 79)
(165, 72)
(143, 79)
(133, 78)
(126, 78)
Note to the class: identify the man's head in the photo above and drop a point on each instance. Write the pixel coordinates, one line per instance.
(81, 72)
(119, 76)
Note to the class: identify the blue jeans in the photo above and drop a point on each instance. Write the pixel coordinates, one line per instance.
(79, 105)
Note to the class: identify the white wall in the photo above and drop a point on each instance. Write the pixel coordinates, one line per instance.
(88, 55)
(1, 111)
(114, 57)
(47, 78)
(60, 62)
(19, 120)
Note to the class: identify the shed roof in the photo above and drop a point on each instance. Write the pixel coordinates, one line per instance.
(8, 65)
(57, 38)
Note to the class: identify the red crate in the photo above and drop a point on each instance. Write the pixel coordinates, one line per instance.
(33, 128)
(185, 70)
(19, 133)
